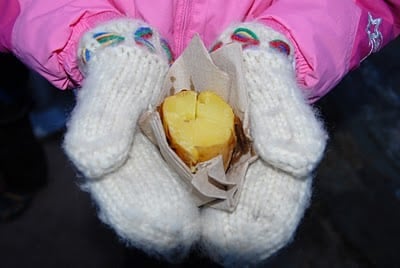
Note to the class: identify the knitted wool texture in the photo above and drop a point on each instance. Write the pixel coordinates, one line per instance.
(290, 142)
(136, 193)
(147, 204)
(120, 82)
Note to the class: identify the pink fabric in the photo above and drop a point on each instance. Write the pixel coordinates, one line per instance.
(389, 27)
(46, 32)
(329, 36)
(9, 12)
(323, 33)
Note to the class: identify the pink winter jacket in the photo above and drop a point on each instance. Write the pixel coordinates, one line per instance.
(331, 37)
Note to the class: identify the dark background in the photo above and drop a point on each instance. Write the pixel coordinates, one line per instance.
(353, 221)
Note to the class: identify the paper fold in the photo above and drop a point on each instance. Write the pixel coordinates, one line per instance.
(221, 72)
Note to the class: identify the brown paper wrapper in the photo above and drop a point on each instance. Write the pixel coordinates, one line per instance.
(221, 72)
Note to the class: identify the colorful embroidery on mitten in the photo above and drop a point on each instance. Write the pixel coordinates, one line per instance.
(142, 37)
(104, 39)
(244, 36)
(108, 38)
(280, 46)
(168, 51)
(247, 38)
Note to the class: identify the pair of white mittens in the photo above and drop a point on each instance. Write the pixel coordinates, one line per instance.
(141, 198)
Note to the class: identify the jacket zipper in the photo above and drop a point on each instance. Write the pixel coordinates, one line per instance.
(183, 13)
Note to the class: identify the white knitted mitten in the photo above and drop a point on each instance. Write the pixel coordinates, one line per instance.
(147, 204)
(124, 62)
(124, 65)
(290, 142)
(270, 208)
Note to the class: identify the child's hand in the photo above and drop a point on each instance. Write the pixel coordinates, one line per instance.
(285, 129)
(290, 141)
(136, 193)
(124, 63)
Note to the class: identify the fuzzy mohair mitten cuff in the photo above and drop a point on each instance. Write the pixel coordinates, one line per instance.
(124, 62)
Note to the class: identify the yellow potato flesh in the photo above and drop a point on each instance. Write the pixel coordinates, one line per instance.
(199, 126)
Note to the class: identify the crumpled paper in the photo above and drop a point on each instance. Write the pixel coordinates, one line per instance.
(221, 72)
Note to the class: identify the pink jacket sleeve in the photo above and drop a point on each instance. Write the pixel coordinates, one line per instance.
(46, 33)
(9, 12)
(332, 37)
